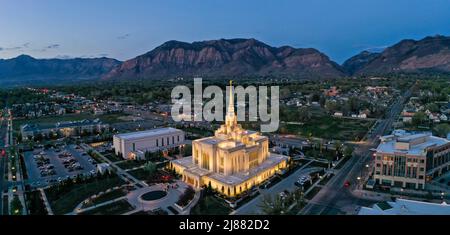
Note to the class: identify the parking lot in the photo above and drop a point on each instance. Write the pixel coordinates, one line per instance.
(53, 165)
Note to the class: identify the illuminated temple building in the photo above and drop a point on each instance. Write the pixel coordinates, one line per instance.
(232, 161)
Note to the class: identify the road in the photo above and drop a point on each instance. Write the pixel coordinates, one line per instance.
(3, 183)
(252, 207)
(336, 199)
(5, 141)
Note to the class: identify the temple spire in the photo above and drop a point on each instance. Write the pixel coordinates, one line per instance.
(231, 100)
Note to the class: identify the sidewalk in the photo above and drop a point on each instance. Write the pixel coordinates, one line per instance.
(46, 203)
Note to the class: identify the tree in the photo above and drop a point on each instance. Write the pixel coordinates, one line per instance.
(299, 196)
(337, 146)
(348, 150)
(16, 206)
(304, 115)
(432, 107)
(272, 206)
(150, 168)
(419, 118)
(442, 129)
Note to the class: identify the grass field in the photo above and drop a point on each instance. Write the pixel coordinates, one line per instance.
(115, 208)
(107, 118)
(312, 193)
(210, 205)
(35, 203)
(129, 164)
(329, 128)
(113, 194)
(139, 174)
(65, 200)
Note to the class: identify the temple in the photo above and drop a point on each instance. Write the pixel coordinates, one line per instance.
(232, 161)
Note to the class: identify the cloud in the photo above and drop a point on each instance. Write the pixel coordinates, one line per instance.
(52, 46)
(10, 48)
(125, 36)
(376, 48)
(370, 48)
(49, 47)
(64, 57)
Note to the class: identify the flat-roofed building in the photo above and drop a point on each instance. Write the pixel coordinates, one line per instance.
(411, 160)
(65, 129)
(133, 145)
(406, 207)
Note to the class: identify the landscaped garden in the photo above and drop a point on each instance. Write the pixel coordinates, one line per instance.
(111, 195)
(115, 208)
(66, 196)
(328, 127)
(129, 164)
(35, 203)
(210, 205)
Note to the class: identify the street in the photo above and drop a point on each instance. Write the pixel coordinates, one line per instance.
(252, 207)
(334, 198)
(3, 163)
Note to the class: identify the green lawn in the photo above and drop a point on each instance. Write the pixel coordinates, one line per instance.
(210, 205)
(324, 154)
(35, 203)
(64, 200)
(51, 120)
(329, 128)
(106, 197)
(312, 193)
(115, 208)
(139, 174)
(5, 205)
(112, 157)
(130, 164)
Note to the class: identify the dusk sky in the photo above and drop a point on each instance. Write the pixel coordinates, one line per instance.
(125, 29)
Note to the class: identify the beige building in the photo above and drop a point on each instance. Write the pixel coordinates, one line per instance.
(133, 145)
(411, 160)
(232, 161)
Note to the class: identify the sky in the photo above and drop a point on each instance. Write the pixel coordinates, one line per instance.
(124, 29)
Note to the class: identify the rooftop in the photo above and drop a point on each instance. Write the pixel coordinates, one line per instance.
(148, 133)
(236, 178)
(406, 207)
(418, 143)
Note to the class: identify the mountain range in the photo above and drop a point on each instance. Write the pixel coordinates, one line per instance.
(25, 69)
(234, 57)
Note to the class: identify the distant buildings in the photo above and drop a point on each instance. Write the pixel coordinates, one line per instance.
(333, 91)
(72, 128)
(406, 207)
(411, 160)
(133, 145)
